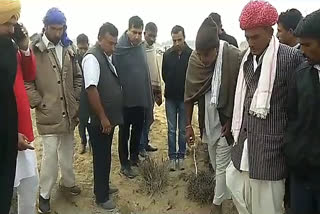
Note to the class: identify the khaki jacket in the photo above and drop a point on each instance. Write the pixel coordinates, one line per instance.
(55, 93)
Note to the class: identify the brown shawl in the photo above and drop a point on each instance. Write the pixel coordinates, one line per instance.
(199, 78)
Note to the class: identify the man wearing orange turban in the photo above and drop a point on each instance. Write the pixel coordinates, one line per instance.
(9, 14)
(256, 175)
(9, 9)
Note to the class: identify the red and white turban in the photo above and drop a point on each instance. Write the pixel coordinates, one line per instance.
(258, 14)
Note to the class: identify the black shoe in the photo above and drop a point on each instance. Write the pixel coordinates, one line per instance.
(126, 171)
(135, 163)
(151, 149)
(44, 205)
(113, 190)
(143, 153)
(108, 205)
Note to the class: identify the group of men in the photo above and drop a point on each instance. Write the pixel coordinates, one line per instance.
(257, 108)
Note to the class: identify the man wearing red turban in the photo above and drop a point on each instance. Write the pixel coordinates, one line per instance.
(257, 173)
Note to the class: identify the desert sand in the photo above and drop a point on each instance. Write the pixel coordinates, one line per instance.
(130, 199)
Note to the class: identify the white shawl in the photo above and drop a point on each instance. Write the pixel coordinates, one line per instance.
(217, 74)
(260, 105)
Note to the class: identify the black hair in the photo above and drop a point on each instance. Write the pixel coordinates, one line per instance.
(290, 19)
(151, 27)
(108, 28)
(82, 38)
(216, 18)
(309, 26)
(176, 29)
(135, 22)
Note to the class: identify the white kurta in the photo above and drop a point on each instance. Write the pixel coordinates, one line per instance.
(26, 165)
(251, 196)
(219, 150)
(27, 181)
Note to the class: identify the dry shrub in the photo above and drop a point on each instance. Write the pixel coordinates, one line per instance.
(155, 175)
(200, 188)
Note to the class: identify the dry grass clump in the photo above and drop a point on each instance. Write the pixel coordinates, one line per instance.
(200, 188)
(155, 175)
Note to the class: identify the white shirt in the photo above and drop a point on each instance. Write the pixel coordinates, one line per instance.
(244, 165)
(58, 48)
(91, 70)
(212, 131)
(26, 166)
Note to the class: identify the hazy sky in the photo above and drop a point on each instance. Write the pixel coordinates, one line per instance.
(86, 16)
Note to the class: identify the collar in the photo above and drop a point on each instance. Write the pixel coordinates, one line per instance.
(317, 67)
(186, 47)
(130, 43)
(147, 45)
(259, 62)
(49, 44)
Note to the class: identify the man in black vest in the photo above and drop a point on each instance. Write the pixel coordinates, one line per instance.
(105, 102)
(302, 139)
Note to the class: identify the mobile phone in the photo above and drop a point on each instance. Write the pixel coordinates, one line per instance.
(18, 34)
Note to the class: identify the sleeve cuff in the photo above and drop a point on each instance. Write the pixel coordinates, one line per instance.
(26, 53)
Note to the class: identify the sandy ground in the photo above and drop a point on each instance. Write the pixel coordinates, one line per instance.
(130, 199)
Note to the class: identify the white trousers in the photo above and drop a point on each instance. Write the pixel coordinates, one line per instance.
(252, 196)
(220, 157)
(57, 150)
(27, 195)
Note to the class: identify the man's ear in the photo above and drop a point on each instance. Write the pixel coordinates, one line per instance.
(99, 39)
(291, 31)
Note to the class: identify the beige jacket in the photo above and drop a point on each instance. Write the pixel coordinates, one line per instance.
(55, 93)
(154, 68)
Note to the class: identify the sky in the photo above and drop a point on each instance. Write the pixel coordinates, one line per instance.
(86, 16)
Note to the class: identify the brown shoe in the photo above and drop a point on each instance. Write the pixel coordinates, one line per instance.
(216, 209)
(75, 190)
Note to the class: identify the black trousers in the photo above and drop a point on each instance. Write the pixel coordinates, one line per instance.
(8, 151)
(101, 148)
(82, 132)
(304, 199)
(134, 118)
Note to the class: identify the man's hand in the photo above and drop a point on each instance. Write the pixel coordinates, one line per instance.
(159, 100)
(106, 126)
(158, 97)
(226, 129)
(23, 143)
(190, 135)
(24, 44)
